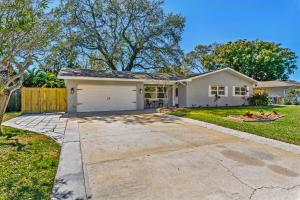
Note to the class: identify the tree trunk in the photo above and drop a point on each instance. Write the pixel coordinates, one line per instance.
(4, 98)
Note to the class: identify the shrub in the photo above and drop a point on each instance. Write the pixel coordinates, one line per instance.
(288, 101)
(38, 78)
(259, 99)
(292, 97)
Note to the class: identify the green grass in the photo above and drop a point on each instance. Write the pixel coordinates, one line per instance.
(10, 115)
(28, 164)
(286, 129)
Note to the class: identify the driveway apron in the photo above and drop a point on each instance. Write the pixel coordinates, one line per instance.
(154, 156)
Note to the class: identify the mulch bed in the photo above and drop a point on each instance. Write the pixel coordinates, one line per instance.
(255, 118)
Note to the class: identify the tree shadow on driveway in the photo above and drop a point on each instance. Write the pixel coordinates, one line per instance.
(128, 117)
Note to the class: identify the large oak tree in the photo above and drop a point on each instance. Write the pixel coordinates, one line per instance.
(124, 34)
(26, 30)
(260, 60)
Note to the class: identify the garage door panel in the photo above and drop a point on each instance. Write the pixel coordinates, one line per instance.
(106, 98)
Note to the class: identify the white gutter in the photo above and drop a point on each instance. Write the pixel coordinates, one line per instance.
(113, 79)
(156, 81)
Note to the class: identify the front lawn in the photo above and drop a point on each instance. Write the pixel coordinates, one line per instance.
(286, 129)
(28, 164)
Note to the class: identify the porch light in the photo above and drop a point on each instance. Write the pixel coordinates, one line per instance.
(141, 91)
(72, 90)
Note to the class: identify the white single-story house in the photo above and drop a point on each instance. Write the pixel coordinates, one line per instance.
(91, 91)
(277, 90)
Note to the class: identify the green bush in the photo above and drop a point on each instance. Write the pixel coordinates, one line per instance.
(288, 101)
(259, 99)
(292, 97)
(38, 78)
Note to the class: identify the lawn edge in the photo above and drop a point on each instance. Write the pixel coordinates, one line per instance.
(243, 135)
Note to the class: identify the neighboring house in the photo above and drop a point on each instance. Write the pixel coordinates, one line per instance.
(90, 90)
(277, 90)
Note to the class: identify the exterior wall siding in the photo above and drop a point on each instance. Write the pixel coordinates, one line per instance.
(72, 98)
(198, 90)
(182, 95)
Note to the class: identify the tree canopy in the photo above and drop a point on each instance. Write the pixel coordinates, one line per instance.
(26, 30)
(258, 59)
(124, 34)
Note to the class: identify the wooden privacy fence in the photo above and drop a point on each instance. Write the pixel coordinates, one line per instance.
(44, 100)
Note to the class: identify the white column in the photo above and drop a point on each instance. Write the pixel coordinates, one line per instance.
(173, 94)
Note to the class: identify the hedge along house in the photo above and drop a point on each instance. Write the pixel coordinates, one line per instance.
(92, 91)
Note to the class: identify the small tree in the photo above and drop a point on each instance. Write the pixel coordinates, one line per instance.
(245, 96)
(216, 99)
(26, 30)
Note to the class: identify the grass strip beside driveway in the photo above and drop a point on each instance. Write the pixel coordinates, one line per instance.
(286, 129)
(28, 163)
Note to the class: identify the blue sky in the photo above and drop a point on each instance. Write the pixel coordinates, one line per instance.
(209, 21)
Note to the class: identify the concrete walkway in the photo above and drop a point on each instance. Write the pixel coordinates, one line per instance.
(52, 125)
(70, 180)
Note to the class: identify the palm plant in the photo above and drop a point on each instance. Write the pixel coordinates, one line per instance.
(31, 77)
(37, 78)
(49, 80)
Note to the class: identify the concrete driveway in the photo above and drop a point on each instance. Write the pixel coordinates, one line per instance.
(152, 156)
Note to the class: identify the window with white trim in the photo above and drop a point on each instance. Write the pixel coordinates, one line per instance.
(217, 90)
(240, 91)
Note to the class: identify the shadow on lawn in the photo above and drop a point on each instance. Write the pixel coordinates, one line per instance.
(9, 140)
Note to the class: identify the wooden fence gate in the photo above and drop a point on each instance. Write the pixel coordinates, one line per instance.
(44, 100)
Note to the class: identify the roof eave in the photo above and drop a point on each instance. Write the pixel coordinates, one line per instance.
(225, 69)
(285, 86)
(113, 79)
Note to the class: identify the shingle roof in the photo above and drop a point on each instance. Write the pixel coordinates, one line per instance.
(266, 84)
(121, 74)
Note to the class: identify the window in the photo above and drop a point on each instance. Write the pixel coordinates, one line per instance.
(240, 91)
(155, 96)
(217, 90)
(176, 92)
